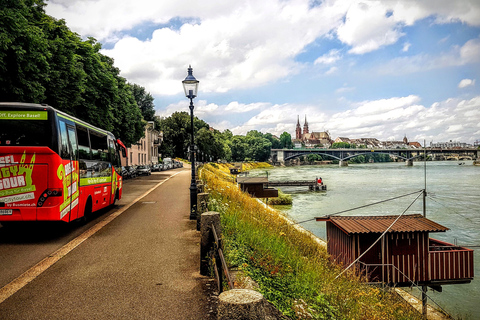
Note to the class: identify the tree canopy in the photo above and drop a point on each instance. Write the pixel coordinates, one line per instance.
(43, 61)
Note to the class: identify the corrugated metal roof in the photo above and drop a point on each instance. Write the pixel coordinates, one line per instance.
(378, 224)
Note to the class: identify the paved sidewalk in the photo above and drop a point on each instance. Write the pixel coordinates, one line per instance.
(142, 265)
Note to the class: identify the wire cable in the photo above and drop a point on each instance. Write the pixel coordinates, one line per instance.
(381, 236)
(361, 207)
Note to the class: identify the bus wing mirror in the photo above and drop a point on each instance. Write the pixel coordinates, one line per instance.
(123, 148)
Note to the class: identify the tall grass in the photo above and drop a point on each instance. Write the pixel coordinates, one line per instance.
(292, 270)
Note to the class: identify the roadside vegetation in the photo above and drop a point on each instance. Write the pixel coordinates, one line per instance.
(291, 269)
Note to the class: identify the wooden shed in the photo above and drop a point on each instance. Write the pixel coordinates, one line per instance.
(404, 255)
(257, 187)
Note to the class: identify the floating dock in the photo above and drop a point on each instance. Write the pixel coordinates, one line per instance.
(311, 184)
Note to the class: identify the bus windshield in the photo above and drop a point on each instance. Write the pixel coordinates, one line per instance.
(25, 133)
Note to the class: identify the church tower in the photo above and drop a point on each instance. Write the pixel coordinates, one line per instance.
(298, 130)
(305, 126)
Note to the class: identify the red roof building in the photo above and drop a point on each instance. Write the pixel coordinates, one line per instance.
(405, 254)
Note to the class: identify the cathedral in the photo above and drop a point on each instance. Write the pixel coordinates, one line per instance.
(311, 139)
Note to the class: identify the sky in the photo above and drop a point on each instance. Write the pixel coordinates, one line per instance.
(357, 69)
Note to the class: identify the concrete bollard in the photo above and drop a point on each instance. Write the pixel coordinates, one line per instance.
(202, 206)
(200, 186)
(241, 304)
(207, 241)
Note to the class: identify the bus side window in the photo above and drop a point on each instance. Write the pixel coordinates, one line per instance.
(64, 149)
(73, 142)
(113, 153)
(99, 146)
(83, 143)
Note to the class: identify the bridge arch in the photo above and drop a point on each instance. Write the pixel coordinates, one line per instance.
(308, 153)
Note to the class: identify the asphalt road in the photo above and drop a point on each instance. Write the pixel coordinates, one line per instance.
(142, 264)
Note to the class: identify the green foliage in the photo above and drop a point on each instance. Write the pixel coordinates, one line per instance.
(314, 157)
(342, 145)
(177, 134)
(144, 101)
(282, 199)
(276, 143)
(42, 61)
(286, 140)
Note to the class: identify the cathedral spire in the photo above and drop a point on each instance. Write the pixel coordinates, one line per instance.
(298, 129)
(305, 126)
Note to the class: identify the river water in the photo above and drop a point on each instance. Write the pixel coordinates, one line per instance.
(453, 200)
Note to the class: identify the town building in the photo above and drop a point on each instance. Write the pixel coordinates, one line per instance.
(310, 139)
(145, 151)
(449, 145)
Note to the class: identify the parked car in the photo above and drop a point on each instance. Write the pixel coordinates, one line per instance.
(167, 163)
(125, 173)
(155, 167)
(143, 170)
(132, 171)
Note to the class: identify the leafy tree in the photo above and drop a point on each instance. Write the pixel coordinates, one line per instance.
(144, 101)
(24, 51)
(314, 157)
(210, 143)
(341, 145)
(239, 148)
(42, 61)
(286, 140)
(177, 134)
(276, 143)
(258, 147)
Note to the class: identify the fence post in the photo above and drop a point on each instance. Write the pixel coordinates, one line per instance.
(202, 206)
(207, 241)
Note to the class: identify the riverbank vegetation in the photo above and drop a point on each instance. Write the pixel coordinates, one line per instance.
(290, 267)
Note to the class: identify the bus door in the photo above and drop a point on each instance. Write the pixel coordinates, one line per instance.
(73, 189)
(69, 172)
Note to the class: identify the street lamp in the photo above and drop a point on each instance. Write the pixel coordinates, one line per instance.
(190, 85)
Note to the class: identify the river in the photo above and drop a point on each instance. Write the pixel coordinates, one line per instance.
(453, 200)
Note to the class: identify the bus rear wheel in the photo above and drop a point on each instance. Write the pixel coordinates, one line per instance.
(87, 212)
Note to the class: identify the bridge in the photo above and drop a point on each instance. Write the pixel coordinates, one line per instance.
(407, 155)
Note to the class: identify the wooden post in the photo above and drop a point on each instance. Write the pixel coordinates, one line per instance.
(202, 206)
(424, 301)
(207, 241)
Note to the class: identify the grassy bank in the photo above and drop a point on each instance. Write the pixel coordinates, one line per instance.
(293, 272)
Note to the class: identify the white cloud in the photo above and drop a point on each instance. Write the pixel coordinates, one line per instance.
(466, 83)
(367, 27)
(469, 53)
(406, 46)
(331, 57)
(384, 119)
(234, 48)
(232, 44)
(370, 25)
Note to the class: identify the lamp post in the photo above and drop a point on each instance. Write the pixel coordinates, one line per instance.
(190, 85)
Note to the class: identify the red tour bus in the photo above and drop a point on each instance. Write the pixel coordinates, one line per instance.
(54, 167)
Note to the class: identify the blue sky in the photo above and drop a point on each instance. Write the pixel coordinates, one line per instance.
(358, 69)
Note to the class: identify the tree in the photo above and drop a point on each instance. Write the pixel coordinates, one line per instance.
(258, 148)
(177, 134)
(42, 61)
(238, 148)
(276, 143)
(24, 51)
(286, 140)
(144, 101)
